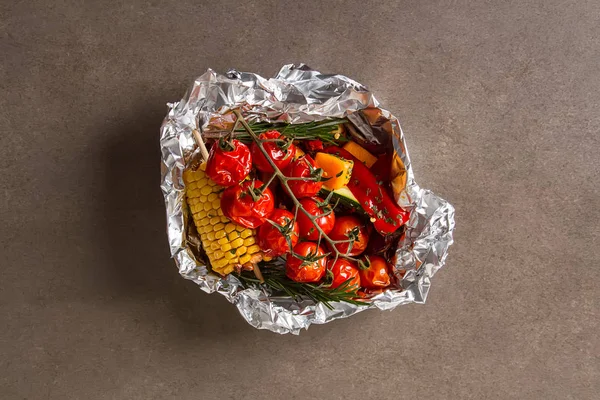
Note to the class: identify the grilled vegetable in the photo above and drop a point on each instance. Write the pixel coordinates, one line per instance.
(248, 204)
(350, 227)
(226, 244)
(337, 169)
(325, 218)
(344, 271)
(344, 198)
(306, 263)
(376, 274)
(360, 153)
(385, 214)
(229, 163)
(273, 239)
(280, 150)
(304, 167)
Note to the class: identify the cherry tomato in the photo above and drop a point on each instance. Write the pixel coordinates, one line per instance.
(313, 258)
(239, 206)
(281, 157)
(229, 163)
(271, 240)
(344, 270)
(349, 227)
(377, 275)
(303, 167)
(325, 222)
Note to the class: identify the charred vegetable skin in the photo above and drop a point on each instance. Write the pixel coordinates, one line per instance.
(248, 204)
(386, 215)
(375, 274)
(279, 149)
(279, 235)
(229, 162)
(307, 263)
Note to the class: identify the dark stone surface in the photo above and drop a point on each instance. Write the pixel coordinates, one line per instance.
(499, 101)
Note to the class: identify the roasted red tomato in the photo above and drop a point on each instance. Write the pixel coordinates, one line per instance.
(376, 276)
(229, 162)
(349, 227)
(307, 263)
(245, 205)
(342, 271)
(272, 239)
(325, 222)
(304, 167)
(281, 156)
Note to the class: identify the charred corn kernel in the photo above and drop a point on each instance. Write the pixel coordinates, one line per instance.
(245, 258)
(237, 242)
(226, 244)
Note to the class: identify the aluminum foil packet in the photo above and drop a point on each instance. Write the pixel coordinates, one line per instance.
(299, 94)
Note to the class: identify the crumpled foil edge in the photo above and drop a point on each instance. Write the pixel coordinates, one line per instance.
(297, 94)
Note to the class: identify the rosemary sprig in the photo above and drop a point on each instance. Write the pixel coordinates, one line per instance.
(326, 130)
(276, 281)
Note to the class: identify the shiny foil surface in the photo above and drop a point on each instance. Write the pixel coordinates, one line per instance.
(298, 94)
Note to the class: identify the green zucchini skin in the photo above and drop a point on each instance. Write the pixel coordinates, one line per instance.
(345, 199)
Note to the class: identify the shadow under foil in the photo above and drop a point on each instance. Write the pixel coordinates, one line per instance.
(135, 229)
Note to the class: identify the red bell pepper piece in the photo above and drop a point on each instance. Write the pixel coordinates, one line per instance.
(314, 145)
(372, 196)
(381, 168)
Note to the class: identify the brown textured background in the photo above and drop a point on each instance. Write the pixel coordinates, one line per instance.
(500, 102)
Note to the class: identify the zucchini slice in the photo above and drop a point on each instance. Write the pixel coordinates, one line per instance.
(345, 197)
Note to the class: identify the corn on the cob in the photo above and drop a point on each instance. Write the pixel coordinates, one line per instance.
(226, 243)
